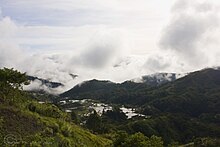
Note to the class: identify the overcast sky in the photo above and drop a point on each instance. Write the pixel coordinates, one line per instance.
(108, 39)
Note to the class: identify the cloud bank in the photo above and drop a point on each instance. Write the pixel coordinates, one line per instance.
(116, 41)
(192, 32)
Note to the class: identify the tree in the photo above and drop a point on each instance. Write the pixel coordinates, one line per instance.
(74, 117)
(12, 78)
(120, 138)
(137, 140)
(11, 82)
(116, 114)
(155, 141)
(207, 142)
(94, 122)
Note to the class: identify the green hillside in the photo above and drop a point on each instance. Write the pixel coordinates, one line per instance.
(193, 94)
(179, 111)
(25, 122)
(196, 94)
(185, 111)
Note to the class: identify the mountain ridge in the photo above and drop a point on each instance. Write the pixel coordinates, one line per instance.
(189, 92)
(48, 83)
(148, 80)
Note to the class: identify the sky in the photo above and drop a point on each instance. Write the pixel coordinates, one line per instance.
(113, 40)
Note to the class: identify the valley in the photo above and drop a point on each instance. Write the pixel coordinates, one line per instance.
(86, 106)
(183, 111)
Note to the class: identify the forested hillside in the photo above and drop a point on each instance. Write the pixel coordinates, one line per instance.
(194, 94)
(25, 122)
(179, 111)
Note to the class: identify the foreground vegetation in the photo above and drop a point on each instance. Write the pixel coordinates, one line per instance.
(26, 122)
(23, 121)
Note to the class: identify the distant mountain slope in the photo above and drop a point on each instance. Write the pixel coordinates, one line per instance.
(94, 87)
(196, 93)
(45, 82)
(97, 89)
(158, 78)
(179, 110)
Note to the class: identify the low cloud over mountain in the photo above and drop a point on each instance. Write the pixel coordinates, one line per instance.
(125, 40)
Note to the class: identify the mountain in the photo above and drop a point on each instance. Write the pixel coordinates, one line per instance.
(106, 89)
(158, 78)
(45, 82)
(42, 89)
(193, 94)
(192, 101)
(91, 86)
(179, 110)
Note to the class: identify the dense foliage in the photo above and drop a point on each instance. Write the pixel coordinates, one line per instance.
(25, 122)
(185, 111)
(180, 110)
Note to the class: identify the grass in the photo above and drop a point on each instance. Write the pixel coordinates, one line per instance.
(43, 125)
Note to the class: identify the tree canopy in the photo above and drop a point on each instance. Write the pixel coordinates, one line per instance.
(12, 78)
(11, 82)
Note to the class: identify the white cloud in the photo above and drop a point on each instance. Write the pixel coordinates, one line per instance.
(114, 40)
(8, 28)
(191, 30)
(37, 85)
